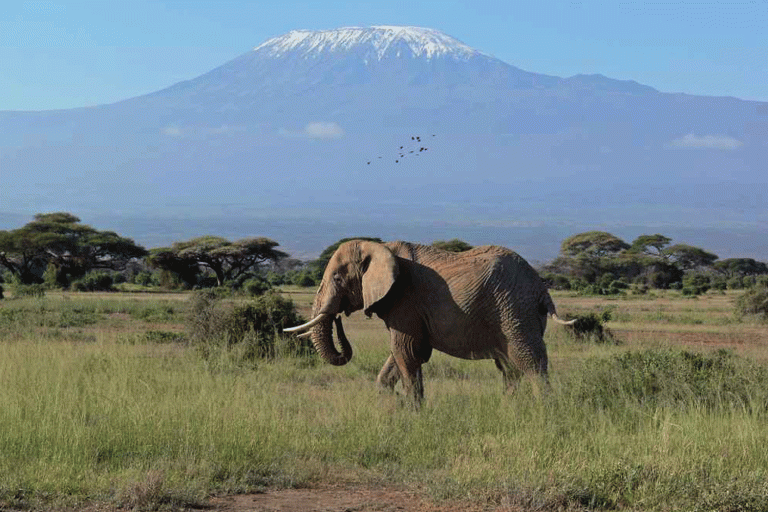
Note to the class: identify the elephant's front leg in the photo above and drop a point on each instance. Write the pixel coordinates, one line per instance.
(389, 374)
(407, 355)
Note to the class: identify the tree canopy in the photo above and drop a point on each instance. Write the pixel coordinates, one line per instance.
(454, 245)
(740, 267)
(59, 240)
(652, 245)
(688, 257)
(593, 244)
(227, 260)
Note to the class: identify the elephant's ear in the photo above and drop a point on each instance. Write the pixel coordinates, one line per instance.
(380, 270)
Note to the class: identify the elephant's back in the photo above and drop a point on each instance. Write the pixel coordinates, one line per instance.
(474, 271)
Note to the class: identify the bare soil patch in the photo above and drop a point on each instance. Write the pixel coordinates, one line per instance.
(704, 339)
(343, 499)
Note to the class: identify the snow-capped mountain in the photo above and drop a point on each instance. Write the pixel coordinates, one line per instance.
(316, 118)
(380, 42)
(307, 68)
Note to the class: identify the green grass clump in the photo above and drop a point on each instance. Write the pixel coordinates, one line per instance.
(671, 378)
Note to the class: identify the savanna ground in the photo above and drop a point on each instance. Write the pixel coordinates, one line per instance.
(104, 406)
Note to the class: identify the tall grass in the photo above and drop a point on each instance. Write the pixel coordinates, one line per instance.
(148, 425)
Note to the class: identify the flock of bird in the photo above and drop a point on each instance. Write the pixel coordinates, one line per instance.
(414, 148)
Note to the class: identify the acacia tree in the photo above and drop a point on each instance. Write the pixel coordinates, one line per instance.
(589, 255)
(594, 244)
(454, 245)
(227, 260)
(688, 257)
(72, 249)
(651, 245)
(740, 267)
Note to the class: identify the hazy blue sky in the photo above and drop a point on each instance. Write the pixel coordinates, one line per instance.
(77, 53)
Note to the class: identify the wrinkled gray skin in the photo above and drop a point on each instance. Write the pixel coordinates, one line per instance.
(486, 303)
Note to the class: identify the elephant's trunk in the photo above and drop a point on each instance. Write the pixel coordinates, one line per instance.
(322, 339)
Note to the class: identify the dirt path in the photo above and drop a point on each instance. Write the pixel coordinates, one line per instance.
(342, 499)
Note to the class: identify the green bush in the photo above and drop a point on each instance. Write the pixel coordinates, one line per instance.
(753, 302)
(145, 278)
(27, 290)
(275, 279)
(256, 286)
(249, 331)
(556, 281)
(96, 281)
(305, 279)
(696, 283)
(590, 328)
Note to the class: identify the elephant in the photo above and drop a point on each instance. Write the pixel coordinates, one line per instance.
(485, 303)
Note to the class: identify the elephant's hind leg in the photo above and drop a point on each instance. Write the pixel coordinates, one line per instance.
(389, 374)
(509, 371)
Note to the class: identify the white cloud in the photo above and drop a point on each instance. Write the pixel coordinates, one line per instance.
(694, 141)
(175, 130)
(315, 130)
(172, 130)
(324, 130)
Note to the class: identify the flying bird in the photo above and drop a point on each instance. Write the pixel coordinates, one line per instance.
(408, 151)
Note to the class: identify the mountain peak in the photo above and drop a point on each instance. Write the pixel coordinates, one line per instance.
(376, 41)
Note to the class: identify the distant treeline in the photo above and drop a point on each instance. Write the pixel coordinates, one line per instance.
(56, 251)
(599, 263)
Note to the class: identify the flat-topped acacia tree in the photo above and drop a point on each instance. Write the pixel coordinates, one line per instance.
(227, 260)
(60, 241)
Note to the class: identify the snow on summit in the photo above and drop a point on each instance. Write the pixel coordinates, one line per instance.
(379, 40)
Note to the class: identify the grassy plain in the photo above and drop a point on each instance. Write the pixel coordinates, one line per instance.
(102, 400)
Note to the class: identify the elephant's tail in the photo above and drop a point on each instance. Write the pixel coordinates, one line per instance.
(548, 307)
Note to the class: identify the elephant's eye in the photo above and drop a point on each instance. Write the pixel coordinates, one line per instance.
(337, 278)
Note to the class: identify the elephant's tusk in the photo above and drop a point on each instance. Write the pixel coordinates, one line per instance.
(562, 322)
(303, 327)
(304, 334)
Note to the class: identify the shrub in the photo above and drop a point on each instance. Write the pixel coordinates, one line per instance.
(556, 281)
(275, 279)
(305, 279)
(51, 277)
(96, 281)
(589, 328)
(256, 286)
(27, 290)
(753, 302)
(696, 283)
(251, 330)
(145, 278)
(663, 275)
